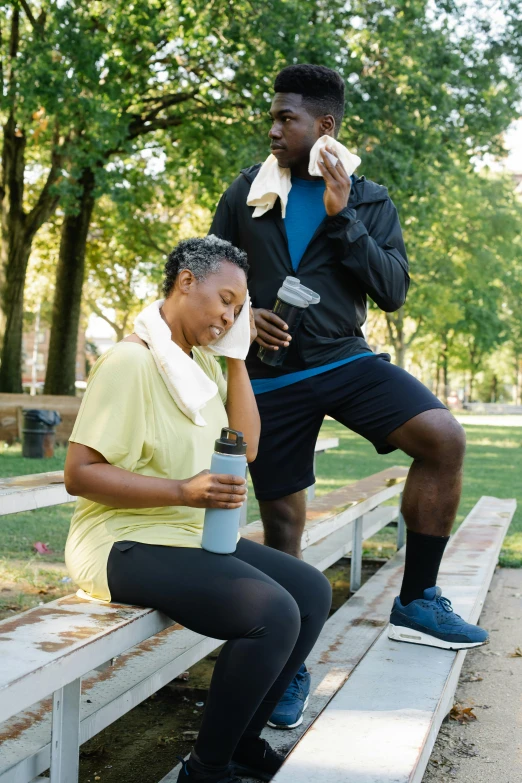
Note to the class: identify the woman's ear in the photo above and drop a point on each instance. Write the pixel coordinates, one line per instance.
(185, 281)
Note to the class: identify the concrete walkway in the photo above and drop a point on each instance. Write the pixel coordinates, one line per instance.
(489, 748)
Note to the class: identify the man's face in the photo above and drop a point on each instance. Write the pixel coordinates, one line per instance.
(294, 131)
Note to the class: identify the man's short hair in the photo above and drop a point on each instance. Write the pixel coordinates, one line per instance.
(322, 89)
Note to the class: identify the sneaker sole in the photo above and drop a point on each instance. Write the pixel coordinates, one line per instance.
(401, 633)
(290, 725)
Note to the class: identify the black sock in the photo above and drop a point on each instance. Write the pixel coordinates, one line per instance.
(423, 556)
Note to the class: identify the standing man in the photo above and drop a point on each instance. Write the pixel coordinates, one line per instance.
(341, 236)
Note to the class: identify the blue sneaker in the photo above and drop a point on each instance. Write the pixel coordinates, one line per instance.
(289, 712)
(432, 621)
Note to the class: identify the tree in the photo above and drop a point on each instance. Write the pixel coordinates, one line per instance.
(24, 74)
(188, 80)
(128, 247)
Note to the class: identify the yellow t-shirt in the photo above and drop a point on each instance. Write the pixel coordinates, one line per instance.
(128, 415)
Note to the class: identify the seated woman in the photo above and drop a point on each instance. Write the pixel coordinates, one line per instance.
(139, 465)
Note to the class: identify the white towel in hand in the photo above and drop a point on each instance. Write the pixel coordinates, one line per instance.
(273, 182)
(189, 386)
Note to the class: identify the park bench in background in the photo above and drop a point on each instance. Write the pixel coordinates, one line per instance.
(28, 493)
(12, 405)
(47, 650)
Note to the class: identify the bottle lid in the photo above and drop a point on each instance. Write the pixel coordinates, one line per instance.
(293, 293)
(230, 442)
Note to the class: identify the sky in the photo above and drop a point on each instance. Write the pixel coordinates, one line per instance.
(514, 144)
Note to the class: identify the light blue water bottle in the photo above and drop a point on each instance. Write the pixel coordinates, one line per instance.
(221, 525)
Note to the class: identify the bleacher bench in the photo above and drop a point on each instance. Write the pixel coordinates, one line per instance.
(38, 490)
(48, 649)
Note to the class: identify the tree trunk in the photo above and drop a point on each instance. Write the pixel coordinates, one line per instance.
(11, 367)
(395, 324)
(445, 379)
(61, 366)
(16, 250)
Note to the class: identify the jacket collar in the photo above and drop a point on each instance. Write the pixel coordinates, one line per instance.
(363, 191)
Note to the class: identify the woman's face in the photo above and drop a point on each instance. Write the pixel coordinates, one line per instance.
(211, 305)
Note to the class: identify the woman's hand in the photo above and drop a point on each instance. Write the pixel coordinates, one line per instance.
(213, 490)
(253, 330)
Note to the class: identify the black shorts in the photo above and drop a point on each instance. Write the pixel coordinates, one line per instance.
(369, 396)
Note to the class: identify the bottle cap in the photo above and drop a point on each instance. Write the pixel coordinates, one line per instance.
(230, 442)
(293, 293)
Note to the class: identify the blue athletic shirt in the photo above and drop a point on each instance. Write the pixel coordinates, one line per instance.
(305, 211)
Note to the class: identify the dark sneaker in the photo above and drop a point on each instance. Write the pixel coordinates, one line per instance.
(190, 773)
(432, 621)
(289, 712)
(254, 758)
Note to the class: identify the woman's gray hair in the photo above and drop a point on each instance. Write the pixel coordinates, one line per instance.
(202, 256)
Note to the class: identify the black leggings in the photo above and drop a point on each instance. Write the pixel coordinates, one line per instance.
(270, 607)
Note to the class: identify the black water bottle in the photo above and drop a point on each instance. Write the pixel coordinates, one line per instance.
(290, 305)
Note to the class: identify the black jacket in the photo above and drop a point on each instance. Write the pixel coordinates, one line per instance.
(356, 253)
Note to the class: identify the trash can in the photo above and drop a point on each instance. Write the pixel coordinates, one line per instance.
(38, 433)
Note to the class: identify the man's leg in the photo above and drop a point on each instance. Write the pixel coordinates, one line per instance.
(283, 522)
(431, 497)
(284, 467)
(392, 409)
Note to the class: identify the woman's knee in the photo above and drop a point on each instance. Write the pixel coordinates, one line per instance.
(313, 593)
(271, 611)
(320, 594)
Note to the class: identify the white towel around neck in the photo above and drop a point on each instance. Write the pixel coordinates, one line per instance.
(189, 386)
(273, 182)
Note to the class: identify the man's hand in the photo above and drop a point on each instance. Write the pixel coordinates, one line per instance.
(337, 182)
(271, 330)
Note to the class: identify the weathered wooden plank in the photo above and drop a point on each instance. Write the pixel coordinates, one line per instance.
(345, 639)
(49, 646)
(68, 637)
(381, 725)
(330, 549)
(24, 739)
(32, 480)
(336, 509)
(38, 490)
(13, 500)
(323, 444)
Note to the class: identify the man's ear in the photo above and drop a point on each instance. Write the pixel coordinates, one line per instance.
(185, 281)
(327, 125)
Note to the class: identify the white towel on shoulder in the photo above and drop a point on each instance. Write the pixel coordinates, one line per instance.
(273, 182)
(189, 386)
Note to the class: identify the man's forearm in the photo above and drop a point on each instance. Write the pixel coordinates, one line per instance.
(379, 263)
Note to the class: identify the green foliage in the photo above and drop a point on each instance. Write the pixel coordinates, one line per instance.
(165, 100)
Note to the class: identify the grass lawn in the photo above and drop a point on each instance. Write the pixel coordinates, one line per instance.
(493, 467)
